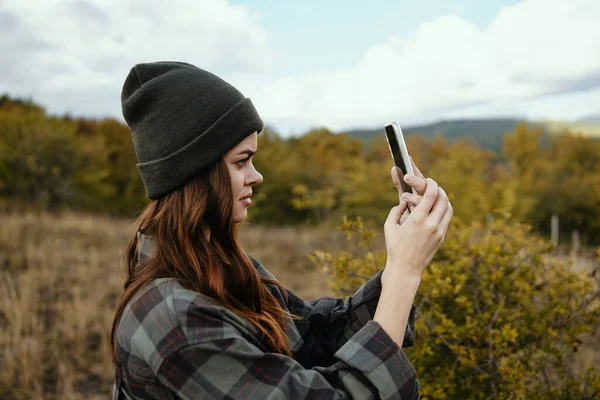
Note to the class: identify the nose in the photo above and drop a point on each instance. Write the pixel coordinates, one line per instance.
(255, 178)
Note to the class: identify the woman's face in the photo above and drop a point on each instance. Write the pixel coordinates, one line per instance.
(243, 175)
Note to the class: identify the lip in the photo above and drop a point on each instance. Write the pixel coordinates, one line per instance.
(249, 195)
(246, 200)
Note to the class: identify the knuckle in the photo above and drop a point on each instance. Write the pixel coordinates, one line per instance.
(445, 205)
(440, 237)
(417, 220)
(432, 188)
(431, 226)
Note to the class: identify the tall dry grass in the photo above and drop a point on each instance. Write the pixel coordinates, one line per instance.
(60, 278)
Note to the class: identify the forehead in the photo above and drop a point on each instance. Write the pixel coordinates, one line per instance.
(249, 143)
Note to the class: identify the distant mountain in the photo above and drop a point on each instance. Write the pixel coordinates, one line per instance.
(590, 118)
(487, 132)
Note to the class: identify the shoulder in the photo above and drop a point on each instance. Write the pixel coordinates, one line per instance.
(278, 290)
(262, 271)
(165, 317)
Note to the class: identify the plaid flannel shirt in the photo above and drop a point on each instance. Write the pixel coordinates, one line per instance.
(174, 343)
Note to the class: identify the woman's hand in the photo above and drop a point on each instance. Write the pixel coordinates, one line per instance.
(413, 239)
(416, 181)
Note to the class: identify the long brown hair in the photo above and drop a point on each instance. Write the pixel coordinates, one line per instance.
(196, 242)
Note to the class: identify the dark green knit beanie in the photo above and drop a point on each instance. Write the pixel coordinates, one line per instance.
(183, 120)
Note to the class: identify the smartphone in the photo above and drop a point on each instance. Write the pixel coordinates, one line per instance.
(395, 139)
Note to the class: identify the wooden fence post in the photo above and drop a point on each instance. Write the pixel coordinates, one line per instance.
(576, 243)
(554, 226)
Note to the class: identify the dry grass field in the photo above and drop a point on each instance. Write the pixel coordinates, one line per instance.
(60, 278)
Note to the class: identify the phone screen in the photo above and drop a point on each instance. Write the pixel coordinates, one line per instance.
(397, 156)
(395, 148)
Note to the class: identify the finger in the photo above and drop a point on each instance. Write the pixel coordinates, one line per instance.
(422, 210)
(445, 222)
(416, 170)
(395, 214)
(417, 183)
(440, 206)
(412, 198)
(396, 178)
(405, 216)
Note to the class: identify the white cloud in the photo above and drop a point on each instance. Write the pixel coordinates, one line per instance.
(532, 50)
(74, 55)
(567, 106)
(537, 58)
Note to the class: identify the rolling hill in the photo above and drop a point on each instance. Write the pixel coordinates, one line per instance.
(488, 133)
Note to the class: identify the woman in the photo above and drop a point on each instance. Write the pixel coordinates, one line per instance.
(199, 318)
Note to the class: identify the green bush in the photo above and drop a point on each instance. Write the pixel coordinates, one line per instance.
(43, 163)
(498, 315)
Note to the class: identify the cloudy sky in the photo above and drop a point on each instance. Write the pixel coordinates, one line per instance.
(338, 64)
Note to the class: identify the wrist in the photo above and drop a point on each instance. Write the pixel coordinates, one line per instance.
(394, 278)
(394, 305)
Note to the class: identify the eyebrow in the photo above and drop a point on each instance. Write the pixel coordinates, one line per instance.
(250, 153)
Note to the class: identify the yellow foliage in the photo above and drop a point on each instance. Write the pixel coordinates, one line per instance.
(54, 162)
(498, 314)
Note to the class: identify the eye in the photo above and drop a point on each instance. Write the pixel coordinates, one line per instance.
(243, 162)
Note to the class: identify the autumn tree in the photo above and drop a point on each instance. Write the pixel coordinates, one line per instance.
(528, 168)
(129, 195)
(465, 175)
(573, 190)
(282, 168)
(560, 179)
(326, 160)
(43, 163)
(316, 178)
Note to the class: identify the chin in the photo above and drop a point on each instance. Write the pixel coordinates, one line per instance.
(240, 216)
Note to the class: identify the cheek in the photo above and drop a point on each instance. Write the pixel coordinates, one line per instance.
(238, 181)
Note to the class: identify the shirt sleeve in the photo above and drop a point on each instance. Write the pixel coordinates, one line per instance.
(368, 366)
(325, 324)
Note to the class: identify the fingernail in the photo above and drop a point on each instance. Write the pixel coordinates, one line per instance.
(405, 196)
(407, 178)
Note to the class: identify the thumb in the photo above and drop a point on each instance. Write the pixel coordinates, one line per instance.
(396, 213)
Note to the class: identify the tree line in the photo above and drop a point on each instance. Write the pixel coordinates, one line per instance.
(57, 162)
